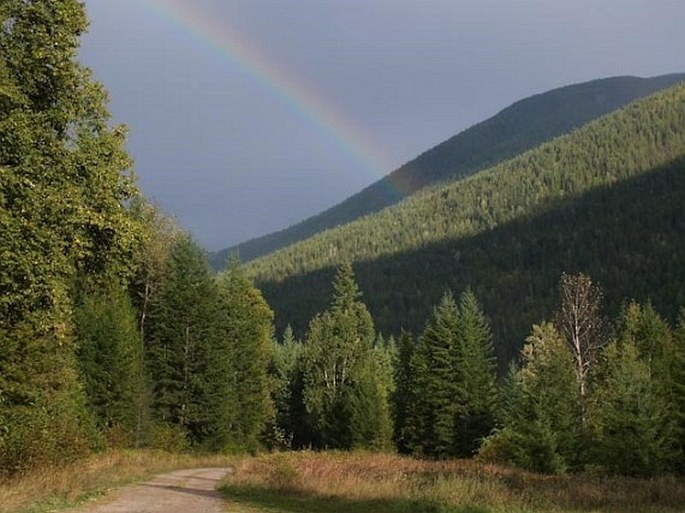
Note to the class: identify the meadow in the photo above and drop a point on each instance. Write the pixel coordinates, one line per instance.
(336, 482)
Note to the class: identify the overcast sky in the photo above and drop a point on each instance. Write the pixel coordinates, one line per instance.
(246, 116)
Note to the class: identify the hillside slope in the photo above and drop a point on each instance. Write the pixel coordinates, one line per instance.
(606, 199)
(517, 128)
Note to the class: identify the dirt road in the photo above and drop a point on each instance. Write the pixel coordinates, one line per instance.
(183, 491)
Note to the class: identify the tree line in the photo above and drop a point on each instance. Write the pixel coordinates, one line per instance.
(584, 393)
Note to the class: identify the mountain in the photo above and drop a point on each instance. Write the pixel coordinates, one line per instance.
(519, 127)
(606, 199)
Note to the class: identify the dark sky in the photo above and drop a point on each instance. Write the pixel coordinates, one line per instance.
(246, 116)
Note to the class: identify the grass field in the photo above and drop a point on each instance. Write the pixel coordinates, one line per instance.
(370, 483)
(56, 488)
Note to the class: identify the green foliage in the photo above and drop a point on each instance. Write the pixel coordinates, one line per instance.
(518, 128)
(541, 416)
(370, 422)
(403, 386)
(476, 376)
(246, 329)
(283, 371)
(643, 328)
(575, 203)
(628, 420)
(158, 234)
(43, 416)
(678, 404)
(430, 423)
(64, 182)
(450, 382)
(184, 341)
(341, 392)
(110, 359)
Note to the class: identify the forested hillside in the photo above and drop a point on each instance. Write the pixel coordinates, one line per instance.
(519, 127)
(606, 199)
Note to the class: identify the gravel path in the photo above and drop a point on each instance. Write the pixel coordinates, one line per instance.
(182, 491)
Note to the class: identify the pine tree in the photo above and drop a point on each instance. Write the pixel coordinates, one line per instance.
(476, 377)
(644, 328)
(430, 425)
(678, 405)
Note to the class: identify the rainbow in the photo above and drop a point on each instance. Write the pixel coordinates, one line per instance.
(291, 89)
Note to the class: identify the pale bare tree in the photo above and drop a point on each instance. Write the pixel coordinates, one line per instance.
(579, 320)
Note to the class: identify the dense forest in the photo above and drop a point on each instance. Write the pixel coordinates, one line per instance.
(520, 127)
(606, 199)
(115, 333)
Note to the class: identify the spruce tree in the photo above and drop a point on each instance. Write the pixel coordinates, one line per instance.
(678, 405)
(430, 427)
(183, 355)
(476, 377)
(245, 324)
(283, 370)
(628, 419)
(540, 416)
(644, 328)
(110, 358)
(401, 397)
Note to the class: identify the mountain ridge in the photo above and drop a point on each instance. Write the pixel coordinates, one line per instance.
(518, 127)
(501, 231)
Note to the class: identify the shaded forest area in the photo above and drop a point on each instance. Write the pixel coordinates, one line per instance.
(632, 229)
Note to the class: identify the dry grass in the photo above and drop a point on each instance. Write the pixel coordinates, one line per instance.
(365, 483)
(55, 488)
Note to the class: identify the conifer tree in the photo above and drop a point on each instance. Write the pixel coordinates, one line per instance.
(678, 405)
(283, 370)
(246, 331)
(430, 425)
(476, 377)
(628, 418)
(183, 354)
(644, 328)
(338, 348)
(401, 398)
(110, 358)
(541, 413)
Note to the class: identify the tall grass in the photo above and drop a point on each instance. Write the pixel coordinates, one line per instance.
(371, 483)
(53, 488)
